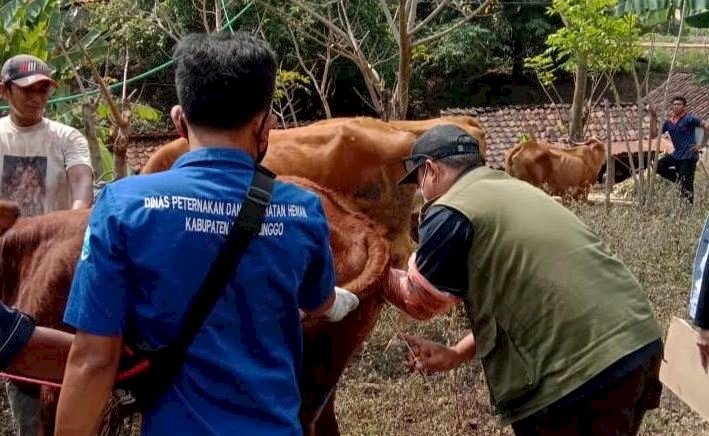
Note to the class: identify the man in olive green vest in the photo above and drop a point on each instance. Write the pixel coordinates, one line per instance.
(568, 341)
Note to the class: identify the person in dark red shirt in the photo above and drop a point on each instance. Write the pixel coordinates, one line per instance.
(679, 166)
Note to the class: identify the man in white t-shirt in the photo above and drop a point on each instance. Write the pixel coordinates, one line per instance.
(44, 166)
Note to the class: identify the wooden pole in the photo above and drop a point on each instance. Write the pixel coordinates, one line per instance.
(610, 173)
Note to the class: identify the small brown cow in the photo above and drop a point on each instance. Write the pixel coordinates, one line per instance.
(38, 256)
(568, 172)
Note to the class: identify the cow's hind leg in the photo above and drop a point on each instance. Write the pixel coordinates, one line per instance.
(25, 407)
(326, 424)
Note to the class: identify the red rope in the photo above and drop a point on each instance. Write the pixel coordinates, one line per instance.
(30, 380)
(131, 372)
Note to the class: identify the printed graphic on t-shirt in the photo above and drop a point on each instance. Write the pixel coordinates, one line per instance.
(23, 182)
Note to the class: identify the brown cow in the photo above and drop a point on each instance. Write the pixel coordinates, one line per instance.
(564, 172)
(38, 256)
(358, 157)
(418, 127)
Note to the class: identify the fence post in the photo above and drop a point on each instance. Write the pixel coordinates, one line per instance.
(610, 170)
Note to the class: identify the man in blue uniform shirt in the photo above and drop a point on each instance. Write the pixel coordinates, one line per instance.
(152, 238)
(680, 165)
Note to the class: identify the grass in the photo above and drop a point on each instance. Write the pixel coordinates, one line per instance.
(377, 397)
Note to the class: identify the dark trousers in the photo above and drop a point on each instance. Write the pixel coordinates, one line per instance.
(615, 406)
(680, 172)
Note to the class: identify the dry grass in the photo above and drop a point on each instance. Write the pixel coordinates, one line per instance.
(377, 397)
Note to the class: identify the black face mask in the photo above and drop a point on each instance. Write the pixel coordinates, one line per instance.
(260, 154)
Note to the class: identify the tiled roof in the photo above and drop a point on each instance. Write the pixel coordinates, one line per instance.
(141, 147)
(504, 126)
(683, 84)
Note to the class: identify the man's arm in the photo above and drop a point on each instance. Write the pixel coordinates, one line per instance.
(427, 357)
(77, 161)
(82, 186)
(44, 356)
(438, 272)
(31, 351)
(90, 374)
(705, 137)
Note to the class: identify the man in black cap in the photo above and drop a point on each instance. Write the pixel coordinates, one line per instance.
(567, 338)
(44, 166)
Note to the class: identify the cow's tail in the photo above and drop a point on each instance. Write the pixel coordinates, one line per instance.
(9, 212)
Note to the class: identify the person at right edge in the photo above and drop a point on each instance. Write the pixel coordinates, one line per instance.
(699, 295)
(568, 340)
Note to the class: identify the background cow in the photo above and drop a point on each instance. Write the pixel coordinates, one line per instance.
(38, 257)
(568, 172)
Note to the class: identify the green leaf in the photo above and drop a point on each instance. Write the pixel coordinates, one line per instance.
(145, 113)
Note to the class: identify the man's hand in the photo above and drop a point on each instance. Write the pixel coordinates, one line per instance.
(696, 148)
(345, 302)
(703, 345)
(428, 357)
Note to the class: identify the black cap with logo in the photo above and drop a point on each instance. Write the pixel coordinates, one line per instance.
(25, 70)
(439, 142)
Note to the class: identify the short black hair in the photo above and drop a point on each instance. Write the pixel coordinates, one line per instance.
(224, 79)
(680, 98)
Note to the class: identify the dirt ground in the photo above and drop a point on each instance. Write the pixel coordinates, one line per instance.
(377, 397)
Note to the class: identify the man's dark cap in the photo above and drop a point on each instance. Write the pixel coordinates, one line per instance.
(25, 70)
(439, 142)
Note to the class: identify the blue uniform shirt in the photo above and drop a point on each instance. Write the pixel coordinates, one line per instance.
(148, 246)
(682, 134)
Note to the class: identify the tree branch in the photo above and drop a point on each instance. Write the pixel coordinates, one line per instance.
(102, 87)
(455, 26)
(390, 21)
(428, 19)
(312, 13)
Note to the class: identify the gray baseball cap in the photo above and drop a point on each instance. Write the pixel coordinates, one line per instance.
(438, 142)
(25, 70)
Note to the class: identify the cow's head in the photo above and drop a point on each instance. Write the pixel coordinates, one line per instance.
(596, 151)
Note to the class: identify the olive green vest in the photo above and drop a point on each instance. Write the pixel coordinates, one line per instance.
(549, 304)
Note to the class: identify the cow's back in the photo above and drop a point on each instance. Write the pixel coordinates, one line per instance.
(37, 260)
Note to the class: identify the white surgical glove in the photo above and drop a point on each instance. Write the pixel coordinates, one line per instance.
(345, 302)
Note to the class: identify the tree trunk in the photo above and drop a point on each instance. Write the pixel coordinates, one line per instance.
(400, 103)
(217, 16)
(87, 111)
(641, 152)
(576, 121)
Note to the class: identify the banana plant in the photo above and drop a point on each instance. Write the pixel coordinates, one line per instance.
(654, 12)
